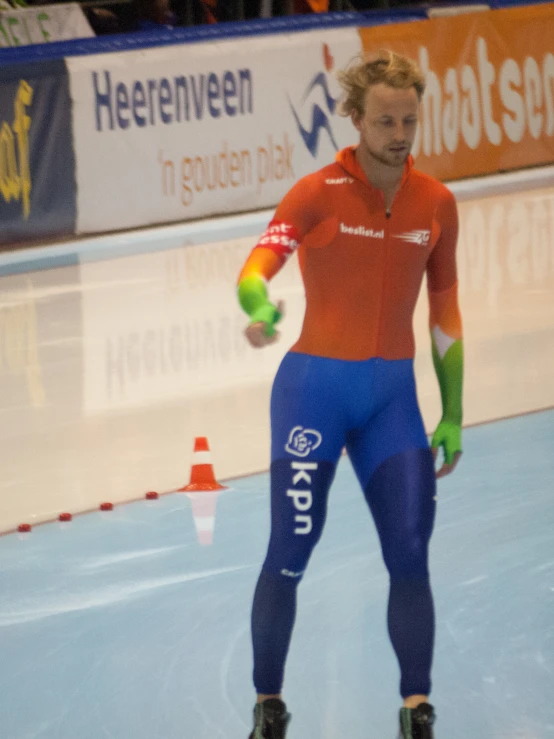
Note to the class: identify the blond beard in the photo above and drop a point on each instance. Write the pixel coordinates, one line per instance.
(389, 161)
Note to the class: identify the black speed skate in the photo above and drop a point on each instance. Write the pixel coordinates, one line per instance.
(417, 723)
(270, 720)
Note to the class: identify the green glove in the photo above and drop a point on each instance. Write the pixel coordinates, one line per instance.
(254, 300)
(448, 436)
(269, 314)
(449, 369)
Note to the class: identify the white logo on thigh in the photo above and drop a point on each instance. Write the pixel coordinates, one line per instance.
(302, 498)
(302, 441)
(288, 573)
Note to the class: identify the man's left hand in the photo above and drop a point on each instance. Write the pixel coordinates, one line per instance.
(448, 436)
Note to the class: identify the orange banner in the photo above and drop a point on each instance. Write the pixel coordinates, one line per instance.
(489, 102)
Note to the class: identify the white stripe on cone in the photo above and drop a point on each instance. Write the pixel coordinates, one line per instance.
(201, 458)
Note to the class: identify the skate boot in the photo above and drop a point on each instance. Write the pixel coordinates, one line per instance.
(417, 723)
(270, 720)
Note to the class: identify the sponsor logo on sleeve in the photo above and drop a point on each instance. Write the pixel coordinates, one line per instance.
(280, 237)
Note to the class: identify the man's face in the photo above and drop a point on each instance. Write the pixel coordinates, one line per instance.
(389, 122)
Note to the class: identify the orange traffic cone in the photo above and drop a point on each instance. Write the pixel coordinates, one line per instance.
(202, 476)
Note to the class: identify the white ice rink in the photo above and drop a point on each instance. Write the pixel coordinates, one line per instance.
(134, 624)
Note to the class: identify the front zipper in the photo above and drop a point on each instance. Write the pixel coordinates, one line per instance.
(386, 248)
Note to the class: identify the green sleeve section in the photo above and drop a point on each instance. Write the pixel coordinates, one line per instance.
(253, 298)
(450, 373)
(450, 370)
(252, 294)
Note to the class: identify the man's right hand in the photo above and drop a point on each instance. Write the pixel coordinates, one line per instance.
(260, 333)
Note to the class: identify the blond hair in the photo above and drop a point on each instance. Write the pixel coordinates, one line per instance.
(365, 71)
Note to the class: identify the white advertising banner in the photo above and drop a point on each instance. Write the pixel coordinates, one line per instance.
(43, 24)
(182, 132)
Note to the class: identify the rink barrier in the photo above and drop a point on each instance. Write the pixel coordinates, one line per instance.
(159, 130)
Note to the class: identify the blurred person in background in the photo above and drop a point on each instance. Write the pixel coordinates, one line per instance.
(153, 14)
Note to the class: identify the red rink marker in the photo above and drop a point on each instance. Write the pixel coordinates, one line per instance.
(151, 495)
(24, 528)
(106, 506)
(65, 517)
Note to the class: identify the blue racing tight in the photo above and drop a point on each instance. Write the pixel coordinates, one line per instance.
(319, 406)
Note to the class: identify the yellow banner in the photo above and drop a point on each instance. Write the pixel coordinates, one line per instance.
(489, 103)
